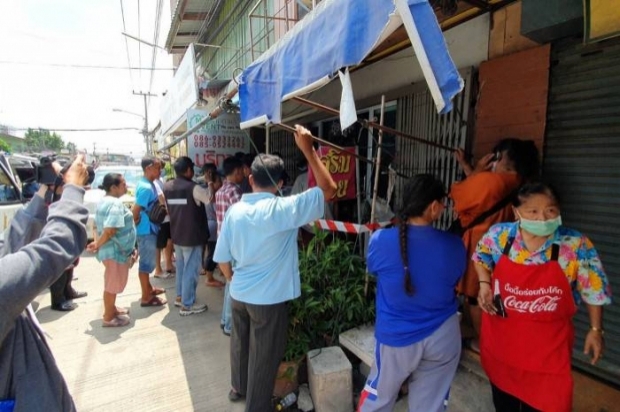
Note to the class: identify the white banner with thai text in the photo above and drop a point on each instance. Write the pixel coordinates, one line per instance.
(218, 139)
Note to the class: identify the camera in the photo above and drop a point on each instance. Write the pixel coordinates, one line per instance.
(46, 174)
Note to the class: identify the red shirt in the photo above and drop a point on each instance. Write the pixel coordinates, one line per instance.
(228, 195)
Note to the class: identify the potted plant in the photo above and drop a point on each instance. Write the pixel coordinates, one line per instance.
(332, 301)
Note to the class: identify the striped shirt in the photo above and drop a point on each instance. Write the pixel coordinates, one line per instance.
(228, 195)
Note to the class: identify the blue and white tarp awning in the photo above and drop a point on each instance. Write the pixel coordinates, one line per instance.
(338, 34)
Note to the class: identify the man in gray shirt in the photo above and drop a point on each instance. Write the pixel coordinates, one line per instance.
(39, 244)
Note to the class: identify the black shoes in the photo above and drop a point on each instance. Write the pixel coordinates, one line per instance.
(235, 396)
(77, 295)
(64, 307)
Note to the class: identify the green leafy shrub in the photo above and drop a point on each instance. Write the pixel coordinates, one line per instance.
(332, 295)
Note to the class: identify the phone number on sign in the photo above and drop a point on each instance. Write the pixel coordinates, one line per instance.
(215, 142)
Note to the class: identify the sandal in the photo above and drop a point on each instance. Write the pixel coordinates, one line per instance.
(116, 322)
(157, 291)
(154, 301)
(122, 311)
(214, 283)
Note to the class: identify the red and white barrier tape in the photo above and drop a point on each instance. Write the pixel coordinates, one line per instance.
(347, 227)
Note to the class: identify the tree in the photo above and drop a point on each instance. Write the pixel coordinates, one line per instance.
(40, 140)
(4, 146)
(71, 147)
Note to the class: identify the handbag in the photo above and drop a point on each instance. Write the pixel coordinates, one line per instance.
(457, 228)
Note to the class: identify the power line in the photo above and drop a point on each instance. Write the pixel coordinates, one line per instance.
(160, 5)
(83, 66)
(51, 129)
(126, 43)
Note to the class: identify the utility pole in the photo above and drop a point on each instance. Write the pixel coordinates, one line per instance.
(147, 140)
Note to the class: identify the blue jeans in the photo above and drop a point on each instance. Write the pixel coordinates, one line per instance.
(147, 245)
(227, 309)
(189, 260)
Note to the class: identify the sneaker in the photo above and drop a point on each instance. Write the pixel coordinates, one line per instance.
(178, 304)
(184, 311)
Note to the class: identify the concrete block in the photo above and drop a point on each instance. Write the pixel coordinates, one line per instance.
(331, 381)
(361, 342)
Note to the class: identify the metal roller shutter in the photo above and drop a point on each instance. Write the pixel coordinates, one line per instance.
(417, 115)
(582, 160)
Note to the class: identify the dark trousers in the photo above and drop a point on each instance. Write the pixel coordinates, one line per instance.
(505, 402)
(207, 257)
(61, 290)
(257, 346)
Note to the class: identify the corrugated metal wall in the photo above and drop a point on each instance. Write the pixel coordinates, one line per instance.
(582, 160)
(417, 115)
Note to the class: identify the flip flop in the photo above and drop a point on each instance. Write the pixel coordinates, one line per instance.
(157, 291)
(155, 301)
(115, 322)
(214, 284)
(122, 311)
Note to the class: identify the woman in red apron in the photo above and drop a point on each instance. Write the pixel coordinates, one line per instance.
(532, 274)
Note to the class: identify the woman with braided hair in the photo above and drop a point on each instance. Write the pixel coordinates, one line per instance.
(417, 333)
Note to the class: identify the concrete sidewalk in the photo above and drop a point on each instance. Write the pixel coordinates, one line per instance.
(162, 361)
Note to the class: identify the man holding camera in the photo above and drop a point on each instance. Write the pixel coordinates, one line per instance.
(40, 243)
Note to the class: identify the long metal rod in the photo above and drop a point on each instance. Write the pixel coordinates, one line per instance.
(330, 144)
(212, 115)
(374, 125)
(325, 142)
(375, 189)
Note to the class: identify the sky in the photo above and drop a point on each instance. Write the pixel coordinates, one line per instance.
(43, 33)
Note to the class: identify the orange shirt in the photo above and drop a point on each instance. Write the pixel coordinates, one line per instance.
(472, 197)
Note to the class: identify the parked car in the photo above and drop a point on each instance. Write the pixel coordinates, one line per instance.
(94, 195)
(11, 199)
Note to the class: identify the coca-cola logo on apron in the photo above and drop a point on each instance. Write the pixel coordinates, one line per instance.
(539, 300)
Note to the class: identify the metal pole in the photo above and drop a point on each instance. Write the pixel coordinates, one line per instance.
(146, 128)
(145, 133)
(267, 139)
(375, 189)
(366, 123)
(358, 194)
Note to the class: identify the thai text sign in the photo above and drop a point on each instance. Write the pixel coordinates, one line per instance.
(216, 140)
(341, 165)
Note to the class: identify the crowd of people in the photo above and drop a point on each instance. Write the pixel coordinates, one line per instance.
(521, 275)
